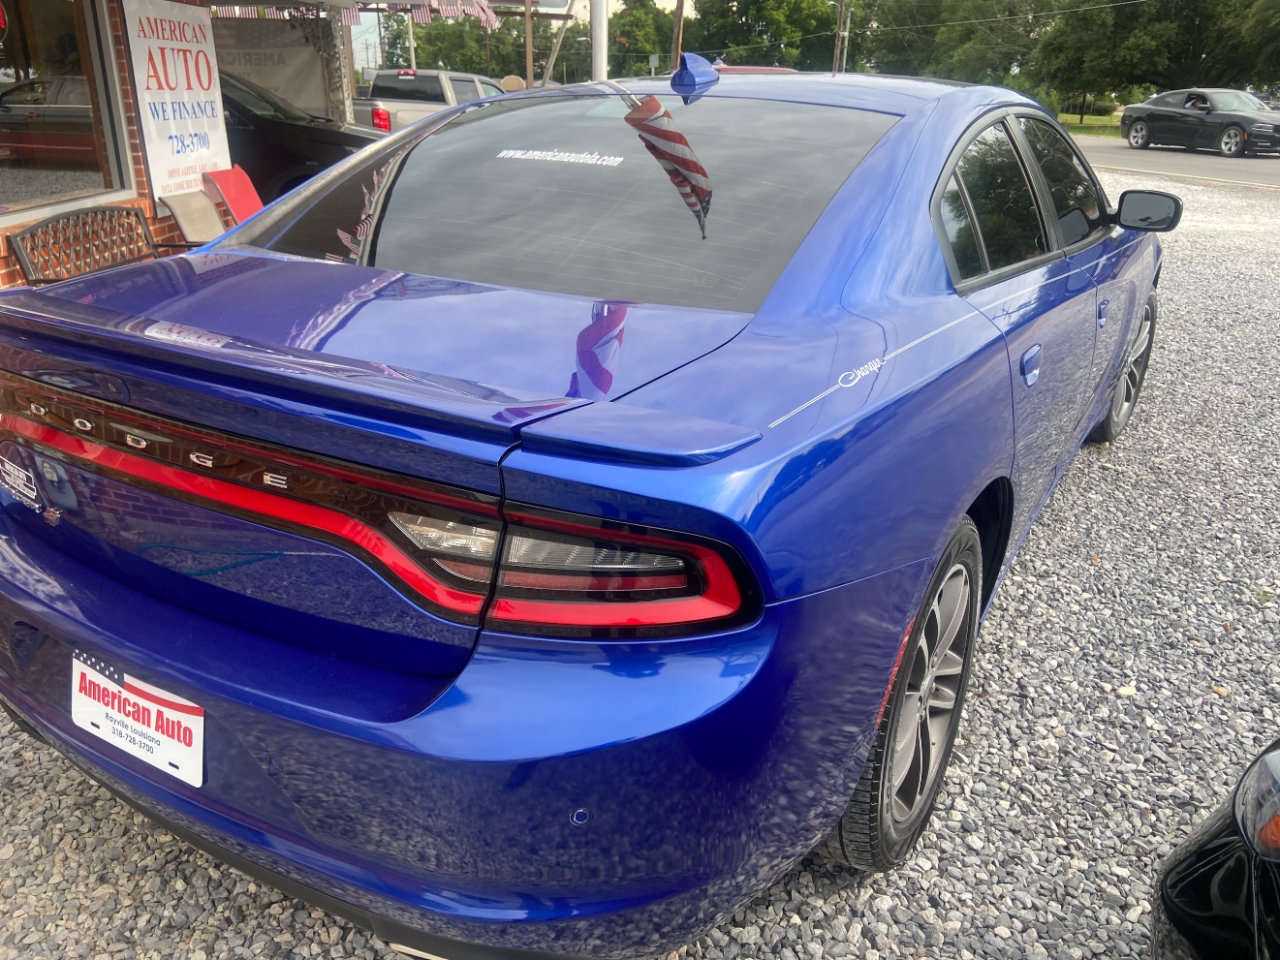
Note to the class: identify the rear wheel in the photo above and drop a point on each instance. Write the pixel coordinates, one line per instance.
(900, 782)
(1125, 397)
(1139, 135)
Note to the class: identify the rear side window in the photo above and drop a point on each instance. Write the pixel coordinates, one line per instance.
(1001, 198)
(424, 86)
(959, 229)
(464, 89)
(633, 198)
(1075, 198)
(74, 92)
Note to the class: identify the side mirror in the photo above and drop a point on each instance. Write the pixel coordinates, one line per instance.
(1148, 210)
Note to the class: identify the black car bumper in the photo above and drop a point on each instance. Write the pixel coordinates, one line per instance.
(1216, 899)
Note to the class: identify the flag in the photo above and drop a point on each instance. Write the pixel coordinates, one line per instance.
(670, 148)
(597, 350)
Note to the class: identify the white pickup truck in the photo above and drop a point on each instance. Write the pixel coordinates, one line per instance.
(399, 97)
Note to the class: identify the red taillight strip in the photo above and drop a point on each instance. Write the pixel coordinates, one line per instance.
(721, 598)
(644, 613)
(258, 502)
(276, 457)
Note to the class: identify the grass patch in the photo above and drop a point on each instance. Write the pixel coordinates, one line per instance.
(1092, 126)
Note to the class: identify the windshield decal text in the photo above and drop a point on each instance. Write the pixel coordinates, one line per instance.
(561, 156)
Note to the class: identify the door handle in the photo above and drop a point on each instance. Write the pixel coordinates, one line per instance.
(1031, 366)
(1102, 312)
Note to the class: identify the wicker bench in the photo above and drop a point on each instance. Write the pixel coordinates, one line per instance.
(83, 241)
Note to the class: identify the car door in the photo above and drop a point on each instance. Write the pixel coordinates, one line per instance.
(21, 110)
(67, 136)
(1167, 118)
(1010, 265)
(1195, 127)
(1108, 254)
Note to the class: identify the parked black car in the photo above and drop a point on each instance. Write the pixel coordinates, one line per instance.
(1218, 896)
(278, 145)
(1232, 122)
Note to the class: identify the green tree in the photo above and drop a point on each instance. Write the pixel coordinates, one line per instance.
(903, 35)
(789, 33)
(1070, 60)
(464, 44)
(981, 41)
(639, 29)
(1164, 44)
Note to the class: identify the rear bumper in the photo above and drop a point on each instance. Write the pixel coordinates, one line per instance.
(566, 798)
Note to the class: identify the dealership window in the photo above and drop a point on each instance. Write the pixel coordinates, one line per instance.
(57, 142)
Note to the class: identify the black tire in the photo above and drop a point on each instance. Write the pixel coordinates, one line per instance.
(1139, 135)
(884, 820)
(1231, 141)
(1124, 399)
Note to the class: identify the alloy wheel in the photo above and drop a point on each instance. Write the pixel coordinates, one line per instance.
(1126, 396)
(1231, 143)
(935, 672)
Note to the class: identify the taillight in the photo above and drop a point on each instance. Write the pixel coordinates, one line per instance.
(455, 552)
(461, 549)
(571, 577)
(381, 119)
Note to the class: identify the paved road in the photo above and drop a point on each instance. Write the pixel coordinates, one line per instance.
(1112, 153)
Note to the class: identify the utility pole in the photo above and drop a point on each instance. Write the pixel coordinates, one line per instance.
(555, 47)
(528, 44)
(599, 40)
(837, 60)
(677, 35)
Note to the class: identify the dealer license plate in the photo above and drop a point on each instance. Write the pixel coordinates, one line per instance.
(144, 721)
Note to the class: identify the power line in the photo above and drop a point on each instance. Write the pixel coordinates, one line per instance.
(919, 26)
(1018, 16)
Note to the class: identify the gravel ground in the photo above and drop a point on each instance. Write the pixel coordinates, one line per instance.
(1127, 671)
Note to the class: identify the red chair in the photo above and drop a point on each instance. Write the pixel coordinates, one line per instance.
(235, 191)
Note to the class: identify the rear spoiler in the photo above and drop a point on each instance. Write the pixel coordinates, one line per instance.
(410, 397)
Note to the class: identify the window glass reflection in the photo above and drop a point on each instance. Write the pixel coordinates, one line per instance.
(51, 142)
(1002, 200)
(959, 228)
(1074, 198)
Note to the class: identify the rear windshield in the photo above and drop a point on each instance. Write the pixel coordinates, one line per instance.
(637, 198)
(425, 86)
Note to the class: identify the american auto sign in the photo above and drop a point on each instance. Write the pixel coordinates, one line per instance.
(179, 96)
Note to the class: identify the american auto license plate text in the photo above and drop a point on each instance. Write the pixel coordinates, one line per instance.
(144, 721)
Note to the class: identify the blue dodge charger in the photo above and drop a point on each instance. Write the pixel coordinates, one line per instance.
(540, 530)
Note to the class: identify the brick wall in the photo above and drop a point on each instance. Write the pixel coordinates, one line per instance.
(164, 229)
